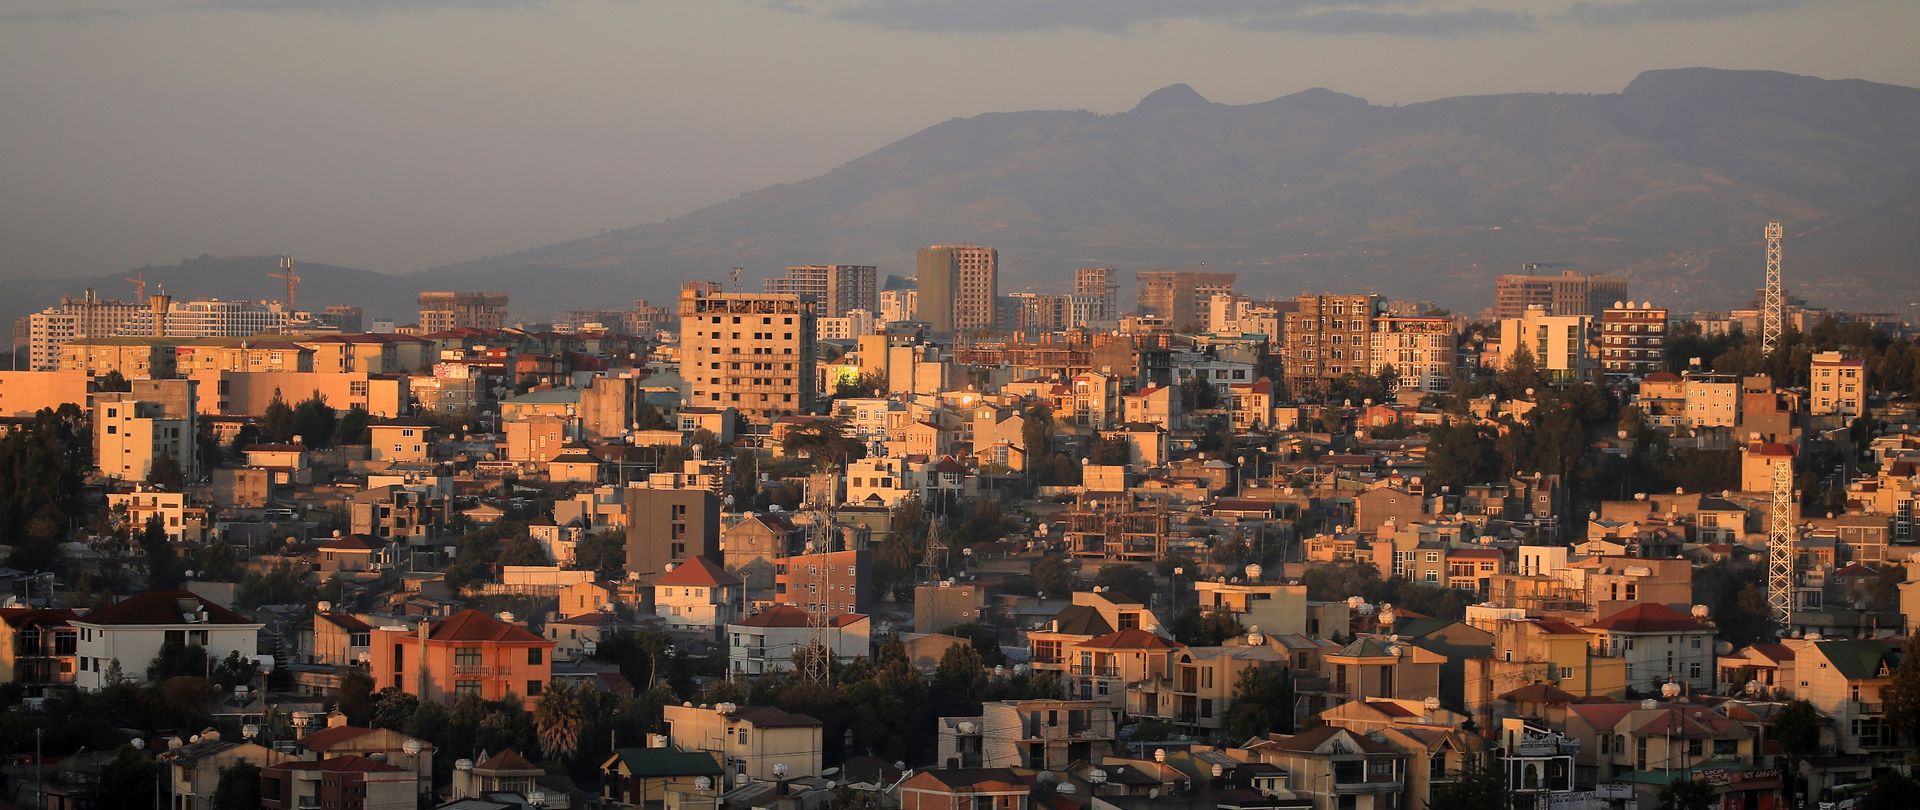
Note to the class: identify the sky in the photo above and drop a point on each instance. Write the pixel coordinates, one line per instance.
(398, 135)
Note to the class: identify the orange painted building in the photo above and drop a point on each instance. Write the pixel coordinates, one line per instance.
(469, 652)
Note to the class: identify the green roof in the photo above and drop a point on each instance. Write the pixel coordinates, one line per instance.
(550, 395)
(664, 762)
(1858, 660)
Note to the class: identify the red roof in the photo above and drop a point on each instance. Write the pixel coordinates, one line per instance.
(1647, 618)
(1130, 639)
(472, 625)
(1773, 449)
(1661, 376)
(161, 607)
(508, 760)
(698, 572)
(785, 615)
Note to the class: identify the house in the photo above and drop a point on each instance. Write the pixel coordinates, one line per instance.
(192, 770)
(351, 554)
(697, 595)
(128, 634)
(340, 639)
(1659, 644)
(639, 778)
(342, 782)
(749, 740)
(971, 788)
(400, 441)
(468, 653)
(767, 641)
(1047, 734)
(749, 548)
(1647, 743)
(38, 647)
(1336, 768)
(341, 740)
(1757, 462)
(578, 636)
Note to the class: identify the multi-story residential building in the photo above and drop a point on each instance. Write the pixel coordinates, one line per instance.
(192, 770)
(39, 647)
(1557, 343)
(88, 316)
(1569, 293)
(753, 352)
(1180, 297)
(1040, 313)
(1845, 679)
(766, 641)
(972, 788)
(130, 633)
(1647, 743)
(133, 358)
(338, 783)
(179, 520)
(339, 639)
(1659, 644)
(1097, 289)
(837, 288)
(1838, 386)
(670, 526)
(248, 393)
(1327, 337)
(444, 310)
(1045, 734)
(1117, 526)
(959, 287)
(468, 653)
(836, 582)
(134, 429)
(1337, 769)
(899, 305)
(751, 741)
(213, 317)
(1633, 340)
(1198, 687)
(1423, 352)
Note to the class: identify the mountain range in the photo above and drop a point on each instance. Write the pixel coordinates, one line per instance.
(1669, 182)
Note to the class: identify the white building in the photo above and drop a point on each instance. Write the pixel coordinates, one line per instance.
(130, 434)
(884, 481)
(1557, 343)
(697, 595)
(1660, 644)
(132, 631)
(1422, 352)
(766, 641)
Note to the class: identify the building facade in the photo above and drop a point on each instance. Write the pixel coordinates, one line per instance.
(1329, 336)
(1569, 293)
(1633, 340)
(837, 288)
(1423, 352)
(441, 310)
(1180, 296)
(959, 287)
(753, 352)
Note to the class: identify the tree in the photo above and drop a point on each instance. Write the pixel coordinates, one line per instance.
(524, 550)
(1889, 791)
(603, 552)
(1053, 575)
(354, 427)
(166, 473)
(276, 422)
(162, 562)
(112, 381)
(825, 441)
(1686, 794)
(1126, 578)
(1460, 453)
(1481, 787)
(356, 696)
(239, 787)
(234, 670)
(649, 418)
(1196, 629)
(1900, 699)
(558, 718)
(1196, 394)
(1797, 728)
(178, 659)
(1114, 450)
(126, 781)
(314, 421)
(1262, 703)
(868, 384)
(393, 709)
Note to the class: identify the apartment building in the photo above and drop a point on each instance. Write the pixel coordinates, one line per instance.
(134, 429)
(88, 316)
(444, 310)
(1837, 387)
(1633, 340)
(753, 352)
(959, 287)
(1098, 290)
(1423, 352)
(1180, 297)
(468, 653)
(670, 526)
(1557, 343)
(750, 741)
(1569, 293)
(1327, 337)
(838, 289)
(697, 595)
(1046, 734)
(766, 641)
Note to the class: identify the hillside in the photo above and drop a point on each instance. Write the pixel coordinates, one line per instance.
(1669, 180)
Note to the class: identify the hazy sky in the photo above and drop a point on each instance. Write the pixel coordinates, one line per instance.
(396, 135)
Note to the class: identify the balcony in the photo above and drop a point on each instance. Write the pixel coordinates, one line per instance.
(1863, 707)
(477, 670)
(1096, 671)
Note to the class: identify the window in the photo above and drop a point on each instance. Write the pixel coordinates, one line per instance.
(534, 656)
(466, 658)
(533, 688)
(466, 687)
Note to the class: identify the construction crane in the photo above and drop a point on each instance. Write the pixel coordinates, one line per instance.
(736, 277)
(139, 282)
(1781, 542)
(1771, 327)
(287, 275)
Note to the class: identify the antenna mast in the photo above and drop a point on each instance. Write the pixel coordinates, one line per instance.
(819, 667)
(1776, 300)
(1780, 546)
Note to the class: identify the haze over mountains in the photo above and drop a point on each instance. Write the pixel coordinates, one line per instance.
(1668, 181)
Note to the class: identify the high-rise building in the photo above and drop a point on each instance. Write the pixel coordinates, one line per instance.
(1423, 352)
(753, 352)
(670, 526)
(1633, 340)
(88, 316)
(1180, 296)
(1097, 295)
(1569, 293)
(441, 310)
(959, 287)
(1557, 343)
(837, 288)
(1327, 337)
(214, 317)
(898, 305)
(1040, 313)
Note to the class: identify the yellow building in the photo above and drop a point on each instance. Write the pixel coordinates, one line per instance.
(751, 740)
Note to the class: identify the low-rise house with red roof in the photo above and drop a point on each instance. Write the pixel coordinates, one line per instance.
(1757, 462)
(1100, 668)
(749, 740)
(131, 632)
(578, 636)
(766, 641)
(697, 595)
(341, 740)
(351, 554)
(1659, 644)
(338, 783)
(1336, 768)
(1650, 744)
(468, 653)
(969, 788)
(340, 639)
